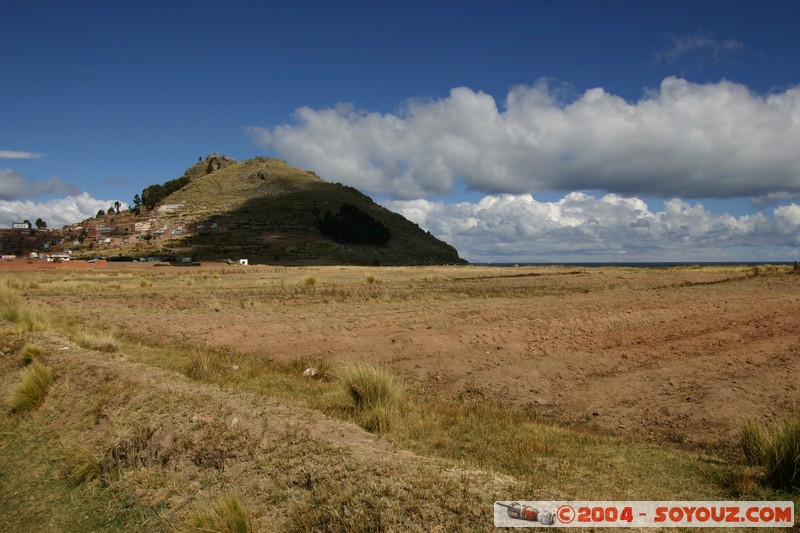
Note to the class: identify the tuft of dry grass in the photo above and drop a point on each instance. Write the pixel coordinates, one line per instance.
(375, 393)
(29, 353)
(32, 389)
(202, 366)
(776, 449)
(9, 297)
(12, 310)
(100, 342)
(26, 319)
(33, 320)
(79, 463)
(227, 515)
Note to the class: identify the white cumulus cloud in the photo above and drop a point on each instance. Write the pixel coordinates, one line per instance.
(16, 154)
(56, 212)
(581, 227)
(683, 139)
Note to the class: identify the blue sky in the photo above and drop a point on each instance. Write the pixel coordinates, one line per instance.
(518, 131)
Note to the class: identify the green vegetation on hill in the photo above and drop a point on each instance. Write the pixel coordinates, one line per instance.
(154, 194)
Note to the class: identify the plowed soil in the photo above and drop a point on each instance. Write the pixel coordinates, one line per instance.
(681, 355)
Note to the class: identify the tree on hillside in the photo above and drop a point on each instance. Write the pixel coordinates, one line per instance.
(100, 213)
(40, 224)
(117, 205)
(153, 194)
(136, 208)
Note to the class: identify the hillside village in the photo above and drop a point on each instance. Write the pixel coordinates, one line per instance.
(107, 235)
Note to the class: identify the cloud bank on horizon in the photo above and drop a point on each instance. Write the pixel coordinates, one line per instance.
(581, 227)
(681, 141)
(57, 212)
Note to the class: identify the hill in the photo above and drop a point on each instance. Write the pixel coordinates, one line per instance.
(265, 210)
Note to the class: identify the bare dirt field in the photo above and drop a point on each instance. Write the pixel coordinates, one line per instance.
(678, 355)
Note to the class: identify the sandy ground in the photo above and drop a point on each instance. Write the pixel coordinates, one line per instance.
(677, 355)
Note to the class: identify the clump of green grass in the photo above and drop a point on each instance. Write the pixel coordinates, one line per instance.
(101, 342)
(29, 353)
(776, 449)
(228, 515)
(30, 392)
(80, 464)
(375, 393)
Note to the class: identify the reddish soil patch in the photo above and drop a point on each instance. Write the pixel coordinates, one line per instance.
(37, 264)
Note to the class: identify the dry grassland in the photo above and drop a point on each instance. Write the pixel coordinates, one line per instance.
(178, 394)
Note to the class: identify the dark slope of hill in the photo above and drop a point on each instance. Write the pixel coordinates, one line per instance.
(267, 211)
